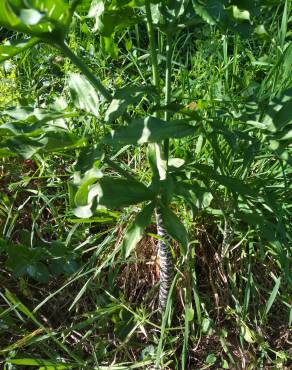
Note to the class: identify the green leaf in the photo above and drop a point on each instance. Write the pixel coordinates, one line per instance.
(20, 306)
(212, 11)
(206, 325)
(117, 192)
(247, 334)
(47, 19)
(109, 46)
(231, 183)
(272, 296)
(39, 272)
(89, 157)
(122, 99)
(149, 130)
(61, 141)
(27, 147)
(38, 362)
(136, 229)
(22, 146)
(90, 177)
(189, 313)
(36, 115)
(109, 19)
(238, 14)
(84, 95)
(261, 32)
(175, 228)
(211, 359)
(37, 129)
(109, 192)
(197, 196)
(9, 50)
(5, 153)
(284, 116)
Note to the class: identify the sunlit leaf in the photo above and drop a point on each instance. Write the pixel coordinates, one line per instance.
(109, 192)
(212, 11)
(46, 19)
(10, 50)
(149, 130)
(83, 93)
(123, 98)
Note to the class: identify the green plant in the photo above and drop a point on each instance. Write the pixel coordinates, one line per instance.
(172, 178)
(224, 131)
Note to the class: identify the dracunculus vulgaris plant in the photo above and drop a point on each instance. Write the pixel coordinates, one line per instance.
(48, 21)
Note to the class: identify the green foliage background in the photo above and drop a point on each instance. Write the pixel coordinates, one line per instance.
(79, 183)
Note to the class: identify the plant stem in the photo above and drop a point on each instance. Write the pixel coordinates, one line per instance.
(153, 50)
(163, 245)
(86, 71)
(167, 87)
(160, 160)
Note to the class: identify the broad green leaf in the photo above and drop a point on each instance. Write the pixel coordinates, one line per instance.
(149, 130)
(283, 116)
(212, 11)
(123, 98)
(197, 196)
(117, 192)
(109, 192)
(22, 146)
(277, 116)
(91, 176)
(206, 325)
(5, 153)
(10, 50)
(46, 19)
(169, 15)
(136, 229)
(27, 147)
(235, 185)
(261, 32)
(61, 141)
(176, 163)
(109, 19)
(157, 163)
(88, 158)
(21, 128)
(175, 228)
(39, 272)
(37, 115)
(83, 93)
